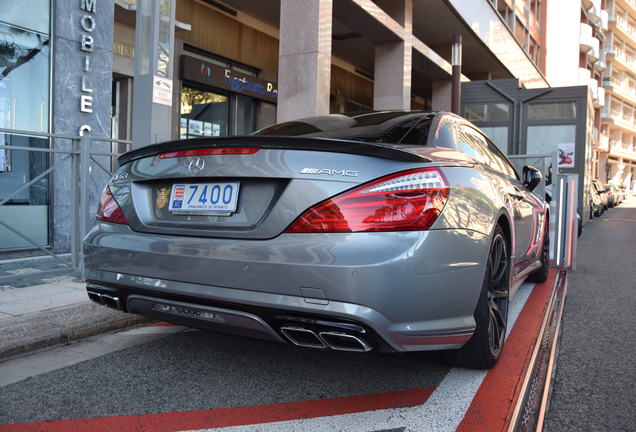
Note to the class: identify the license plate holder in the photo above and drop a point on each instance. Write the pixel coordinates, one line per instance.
(212, 199)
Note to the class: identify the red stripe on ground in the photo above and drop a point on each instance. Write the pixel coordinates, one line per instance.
(225, 417)
(492, 406)
(160, 324)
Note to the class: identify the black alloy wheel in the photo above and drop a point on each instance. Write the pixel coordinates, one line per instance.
(498, 294)
(491, 314)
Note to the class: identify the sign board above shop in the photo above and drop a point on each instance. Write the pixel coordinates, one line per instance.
(202, 72)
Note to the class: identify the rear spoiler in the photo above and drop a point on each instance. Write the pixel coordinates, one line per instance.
(384, 151)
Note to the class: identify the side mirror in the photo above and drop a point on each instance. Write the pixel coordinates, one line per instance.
(531, 177)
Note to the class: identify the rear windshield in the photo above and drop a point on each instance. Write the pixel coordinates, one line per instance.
(380, 127)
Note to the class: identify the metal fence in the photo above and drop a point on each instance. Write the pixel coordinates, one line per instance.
(89, 171)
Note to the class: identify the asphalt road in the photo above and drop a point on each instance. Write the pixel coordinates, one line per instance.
(167, 378)
(595, 387)
(198, 370)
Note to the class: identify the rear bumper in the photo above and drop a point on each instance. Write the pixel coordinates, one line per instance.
(410, 291)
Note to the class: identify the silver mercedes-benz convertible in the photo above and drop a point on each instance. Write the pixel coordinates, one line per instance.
(385, 231)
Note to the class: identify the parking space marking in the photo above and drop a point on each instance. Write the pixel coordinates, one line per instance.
(224, 417)
(443, 411)
(493, 405)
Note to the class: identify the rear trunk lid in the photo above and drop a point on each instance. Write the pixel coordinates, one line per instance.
(276, 181)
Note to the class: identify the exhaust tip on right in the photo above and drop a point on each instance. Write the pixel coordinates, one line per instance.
(345, 342)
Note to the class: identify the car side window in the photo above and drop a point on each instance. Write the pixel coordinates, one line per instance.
(468, 144)
(493, 158)
(418, 135)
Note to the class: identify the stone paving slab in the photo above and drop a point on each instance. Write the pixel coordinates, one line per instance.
(60, 325)
(38, 311)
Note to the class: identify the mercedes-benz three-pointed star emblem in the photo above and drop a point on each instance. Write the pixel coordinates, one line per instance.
(196, 165)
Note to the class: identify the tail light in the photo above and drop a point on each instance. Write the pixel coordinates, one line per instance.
(210, 151)
(405, 201)
(109, 210)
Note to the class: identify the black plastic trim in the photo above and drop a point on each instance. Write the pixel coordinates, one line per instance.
(274, 317)
(383, 151)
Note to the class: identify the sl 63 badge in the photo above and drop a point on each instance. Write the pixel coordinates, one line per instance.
(163, 194)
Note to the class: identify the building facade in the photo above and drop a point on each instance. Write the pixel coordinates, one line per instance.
(619, 81)
(593, 42)
(239, 65)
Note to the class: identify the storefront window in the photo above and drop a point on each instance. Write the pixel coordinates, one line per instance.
(486, 112)
(245, 115)
(552, 111)
(546, 139)
(203, 113)
(24, 105)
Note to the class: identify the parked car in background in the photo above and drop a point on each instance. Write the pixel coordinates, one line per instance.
(617, 194)
(385, 231)
(596, 203)
(611, 198)
(602, 193)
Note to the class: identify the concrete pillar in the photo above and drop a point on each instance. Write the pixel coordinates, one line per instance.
(442, 95)
(153, 87)
(82, 39)
(394, 63)
(304, 63)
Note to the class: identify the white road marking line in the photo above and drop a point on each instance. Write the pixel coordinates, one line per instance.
(443, 411)
(20, 368)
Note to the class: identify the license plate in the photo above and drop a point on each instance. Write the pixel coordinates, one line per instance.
(217, 199)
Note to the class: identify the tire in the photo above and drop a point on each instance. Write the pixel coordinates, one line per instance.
(540, 275)
(491, 314)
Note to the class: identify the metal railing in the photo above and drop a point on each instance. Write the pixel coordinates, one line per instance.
(85, 162)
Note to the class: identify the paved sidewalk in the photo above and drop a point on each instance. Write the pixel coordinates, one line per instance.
(594, 387)
(37, 312)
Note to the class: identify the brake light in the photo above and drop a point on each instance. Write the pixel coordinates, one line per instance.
(109, 210)
(406, 201)
(210, 151)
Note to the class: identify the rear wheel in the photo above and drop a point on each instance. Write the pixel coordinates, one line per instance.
(491, 315)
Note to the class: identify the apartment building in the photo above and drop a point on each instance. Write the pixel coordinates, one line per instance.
(618, 126)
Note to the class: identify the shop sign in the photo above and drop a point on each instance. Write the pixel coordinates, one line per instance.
(87, 43)
(162, 91)
(202, 72)
(123, 49)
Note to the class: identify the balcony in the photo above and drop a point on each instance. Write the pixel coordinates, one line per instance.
(603, 143)
(622, 150)
(593, 85)
(604, 20)
(595, 53)
(600, 64)
(585, 76)
(594, 12)
(620, 58)
(630, 4)
(585, 41)
(624, 28)
(599, 102)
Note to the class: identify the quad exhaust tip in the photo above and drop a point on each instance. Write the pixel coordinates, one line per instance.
(105, 299)
(339, 341)
(303, 337)
(345, 342)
